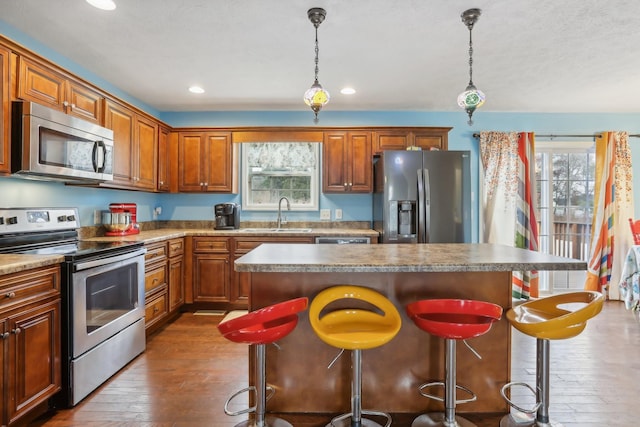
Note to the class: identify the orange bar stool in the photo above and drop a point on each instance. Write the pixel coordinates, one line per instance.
(261, 327)
(552, 318)
(370, 320)
(451, 319)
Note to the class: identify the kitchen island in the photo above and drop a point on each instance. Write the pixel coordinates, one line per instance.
(404, 273)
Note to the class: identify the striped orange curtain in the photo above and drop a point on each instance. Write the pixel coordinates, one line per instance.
(611, 237)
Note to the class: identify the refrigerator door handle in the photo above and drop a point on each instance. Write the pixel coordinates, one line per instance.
(421, 205)
(427, 205)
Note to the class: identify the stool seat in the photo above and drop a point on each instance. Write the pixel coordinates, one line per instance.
(354, 328)
(454, 318)
(545, 318)
(265, 325)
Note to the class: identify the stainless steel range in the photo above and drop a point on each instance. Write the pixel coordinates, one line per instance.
(102, 295)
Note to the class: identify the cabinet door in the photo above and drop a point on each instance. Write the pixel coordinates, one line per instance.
(164, 159)
(211, 280)
(241, 285)
(40, 84)
(219, 168)
(85, 103)
(334, 162)
(34, 358)
(190, 171)
(428, 139)
(360, 162)
(5, 110)
(145, 153)
(176, 282)
(392, 139)
(120, 119)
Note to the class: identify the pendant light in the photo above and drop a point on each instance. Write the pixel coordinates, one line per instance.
(472, 97)
(316, 96)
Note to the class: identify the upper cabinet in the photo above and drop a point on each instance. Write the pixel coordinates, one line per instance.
(135, 148)
(164, 159)
(5, 110)
(44, 85)
(400, 138)
(347, 162)
(206, 162)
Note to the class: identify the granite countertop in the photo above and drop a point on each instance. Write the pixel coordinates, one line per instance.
(14, 263)
(399, 258)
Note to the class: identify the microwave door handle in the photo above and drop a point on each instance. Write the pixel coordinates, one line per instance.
(99, 156)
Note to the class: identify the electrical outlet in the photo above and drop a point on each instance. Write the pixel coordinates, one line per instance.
(338, 213)
(325, 214)
(97, 217)
(156, 212)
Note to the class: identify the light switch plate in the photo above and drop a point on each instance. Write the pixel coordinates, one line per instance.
(97, 217)
(338, 213)
(325, 214)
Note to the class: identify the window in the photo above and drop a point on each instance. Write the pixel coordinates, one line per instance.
(271, 170)
(565, 175)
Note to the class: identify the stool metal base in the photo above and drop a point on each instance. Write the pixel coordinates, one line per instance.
(270, 422)
(346, 422)
(510, 421)
(438, 419)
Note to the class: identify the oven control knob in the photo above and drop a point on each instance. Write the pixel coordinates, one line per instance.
(1, 220)
(71, 218)
(12, 220)
(62, 218)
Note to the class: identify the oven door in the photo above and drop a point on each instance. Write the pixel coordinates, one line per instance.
(107, 295)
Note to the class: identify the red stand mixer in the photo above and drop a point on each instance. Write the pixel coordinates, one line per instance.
(121, 219)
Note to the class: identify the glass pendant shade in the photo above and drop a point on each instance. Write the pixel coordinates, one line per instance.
(471, 99)
(316, 97)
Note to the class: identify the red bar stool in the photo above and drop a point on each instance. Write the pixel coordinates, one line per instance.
(556, 317)
(261, 327)
(451, 319)
(356, 327)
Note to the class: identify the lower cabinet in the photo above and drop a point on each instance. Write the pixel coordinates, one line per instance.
(30, 329)
(214, 282)
(164, 282)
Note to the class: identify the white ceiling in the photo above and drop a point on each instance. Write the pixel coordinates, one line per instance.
(529, 56)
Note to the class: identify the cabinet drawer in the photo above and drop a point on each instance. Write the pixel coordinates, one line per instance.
(27, 286)
(155, 252)
(155, 309)
(155, 277)
(208, 244)
(176, 247)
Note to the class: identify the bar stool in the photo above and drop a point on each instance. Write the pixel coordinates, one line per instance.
(550, 318)
(357, 327)
(261, 327)
(451, 319)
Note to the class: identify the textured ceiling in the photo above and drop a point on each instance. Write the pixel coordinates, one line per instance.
(529, 56)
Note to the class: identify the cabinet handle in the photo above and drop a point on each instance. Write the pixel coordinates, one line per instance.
(155, 281)
(65, 103)
(10, 295)
(16, 331)
(5, 335)
(156, 309)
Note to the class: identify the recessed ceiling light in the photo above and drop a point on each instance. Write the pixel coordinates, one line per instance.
(347, 91)
(196, 89)
(102, 4)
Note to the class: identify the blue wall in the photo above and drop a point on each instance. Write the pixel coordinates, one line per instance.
(19, 193)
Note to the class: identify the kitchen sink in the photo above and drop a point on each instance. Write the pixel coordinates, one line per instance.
(276, 230)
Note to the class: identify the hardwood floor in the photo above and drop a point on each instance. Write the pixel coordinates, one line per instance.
(188, 371)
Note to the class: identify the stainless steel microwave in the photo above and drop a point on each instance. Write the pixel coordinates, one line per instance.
(51, 145)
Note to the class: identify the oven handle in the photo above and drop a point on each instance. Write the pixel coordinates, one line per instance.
(109, 260)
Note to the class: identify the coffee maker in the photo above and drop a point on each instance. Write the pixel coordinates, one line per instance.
(122, 219)
(227, 216)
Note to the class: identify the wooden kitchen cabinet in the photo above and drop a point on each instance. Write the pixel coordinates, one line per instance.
(5, 112)
(155, 285)
(164, 159)
(135, 148)
(211, 267)
(45, 85)
(347, 162)
(206, 162)
(176, 274)
(401, 138)
(30, 327)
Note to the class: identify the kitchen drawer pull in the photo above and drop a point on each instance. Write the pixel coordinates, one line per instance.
(4, 335)
(16, 331)
(10, 295)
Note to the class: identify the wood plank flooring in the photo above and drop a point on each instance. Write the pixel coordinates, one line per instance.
(188, 371)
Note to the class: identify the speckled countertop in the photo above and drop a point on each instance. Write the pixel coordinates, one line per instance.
(13, 263)
(398, 258)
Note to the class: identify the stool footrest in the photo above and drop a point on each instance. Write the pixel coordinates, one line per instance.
(513, 405)
(473, 397)
(251, 389)
(365, 422)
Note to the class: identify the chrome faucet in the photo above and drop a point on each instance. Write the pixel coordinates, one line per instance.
(279, 220)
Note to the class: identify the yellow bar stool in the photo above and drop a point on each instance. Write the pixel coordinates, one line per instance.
(452, 320)
(258, 328)
(552, 318)
(363, 319)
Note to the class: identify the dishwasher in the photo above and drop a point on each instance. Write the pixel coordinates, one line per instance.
(343, 240)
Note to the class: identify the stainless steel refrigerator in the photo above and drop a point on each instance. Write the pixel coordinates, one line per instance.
(422, 197)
